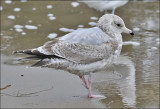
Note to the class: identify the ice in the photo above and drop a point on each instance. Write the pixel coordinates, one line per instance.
(75, 4)
(52, 18)
(11, 17)
(66, 29)
(94, 18)
(80, 26)
(18, 26)
(131, 43)
(154, 48)
(8, 1)
(1, 8)
(31, 27)
(49, 6)
(136, 29)
(52, 35)
(19, 30)
(50, 15)
(92, 23)
(33, 9)
(23, 33)
(17, 9)
(30, 21)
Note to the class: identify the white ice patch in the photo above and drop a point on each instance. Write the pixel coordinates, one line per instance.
(31, 27)
(49, 6)
(23, 33)
(52, 35)
(94, 18)
(17, 9)
(66, 29)
(19, 30)
(154, 48)
(50, 15)
(136, 29)
(11, 17)
(131, 43)
(33, 9)
(92, 23)
(1, 8)
(30, 21)
(80, 26)
(8, 1)
(75, 4)
(18, 26)
(52, 18)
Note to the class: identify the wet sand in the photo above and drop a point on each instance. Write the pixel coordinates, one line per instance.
(43, 88)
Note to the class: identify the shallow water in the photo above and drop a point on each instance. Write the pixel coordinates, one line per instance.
(133, 83)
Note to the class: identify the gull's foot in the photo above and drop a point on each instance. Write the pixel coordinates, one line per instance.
(96, 96)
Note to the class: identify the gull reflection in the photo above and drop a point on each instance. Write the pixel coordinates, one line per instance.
(118, 83)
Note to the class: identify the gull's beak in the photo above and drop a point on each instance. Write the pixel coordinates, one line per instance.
(126, 30)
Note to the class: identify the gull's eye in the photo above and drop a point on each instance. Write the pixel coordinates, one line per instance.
(119, 25)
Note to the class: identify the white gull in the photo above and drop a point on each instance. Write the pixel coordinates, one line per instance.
(105, 5)
(84, 51)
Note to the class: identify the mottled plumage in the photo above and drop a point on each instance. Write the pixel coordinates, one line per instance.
(85, 50)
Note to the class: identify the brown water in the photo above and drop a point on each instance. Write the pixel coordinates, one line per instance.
(135, 82)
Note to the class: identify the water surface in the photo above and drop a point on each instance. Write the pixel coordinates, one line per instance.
(133, 81)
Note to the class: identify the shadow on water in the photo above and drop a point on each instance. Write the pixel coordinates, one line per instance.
(133, 81)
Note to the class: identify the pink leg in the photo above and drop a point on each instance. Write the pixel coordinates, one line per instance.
(84, 81)
(89, 85)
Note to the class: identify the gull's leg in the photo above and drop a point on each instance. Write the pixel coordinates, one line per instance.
(89, 85)
(84, 81)
(113, 10)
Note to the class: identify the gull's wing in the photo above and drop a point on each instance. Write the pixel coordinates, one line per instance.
(81, 46)
(89, 36)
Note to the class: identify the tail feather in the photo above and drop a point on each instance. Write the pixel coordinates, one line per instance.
(42, 62)
(36, 53)
(24, 52)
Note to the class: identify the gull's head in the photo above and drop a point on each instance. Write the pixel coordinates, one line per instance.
(112, 23)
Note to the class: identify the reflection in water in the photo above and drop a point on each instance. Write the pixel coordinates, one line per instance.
(122, 78)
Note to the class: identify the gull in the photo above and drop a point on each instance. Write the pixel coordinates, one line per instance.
(105, 5)
(84, 51)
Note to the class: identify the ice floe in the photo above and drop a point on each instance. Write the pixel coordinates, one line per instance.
(52, 35)
(94, 18)
(11, 17)
(17, 9)
(92, 23)
(31, 27)
(66, 29)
